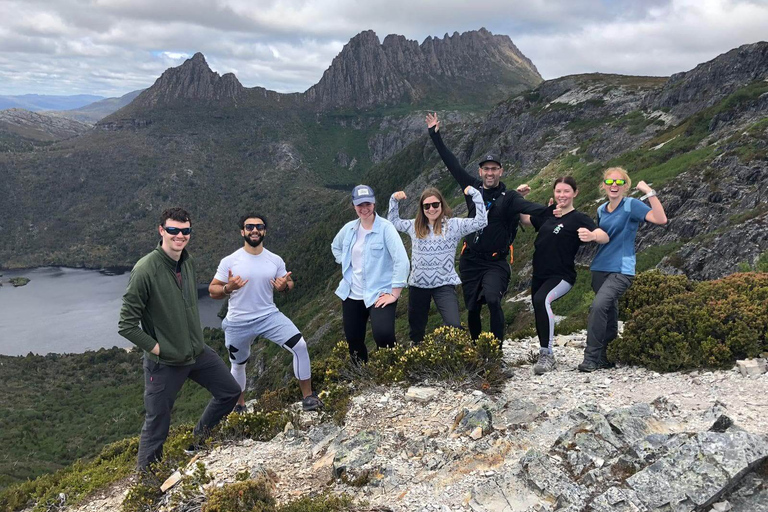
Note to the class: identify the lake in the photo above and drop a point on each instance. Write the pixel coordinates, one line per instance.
(66, 310)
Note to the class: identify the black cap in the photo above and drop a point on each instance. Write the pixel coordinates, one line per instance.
(490, 157)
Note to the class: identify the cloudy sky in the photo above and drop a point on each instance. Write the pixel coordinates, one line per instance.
(110, 47)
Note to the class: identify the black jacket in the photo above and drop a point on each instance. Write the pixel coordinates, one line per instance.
(504, 206)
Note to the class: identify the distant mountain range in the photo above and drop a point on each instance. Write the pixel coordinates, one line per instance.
(38, 102)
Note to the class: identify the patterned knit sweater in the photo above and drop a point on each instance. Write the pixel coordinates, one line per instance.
(432, 260)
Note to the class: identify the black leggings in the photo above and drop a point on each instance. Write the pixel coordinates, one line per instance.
(543, 293)
(355, 317)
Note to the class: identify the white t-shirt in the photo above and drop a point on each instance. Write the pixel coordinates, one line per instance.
(356, 291)
(255, 299)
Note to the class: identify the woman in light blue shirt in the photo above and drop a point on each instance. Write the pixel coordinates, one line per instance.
(613, 268)
(374, 268)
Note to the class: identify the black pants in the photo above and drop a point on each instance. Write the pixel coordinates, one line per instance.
(543, 293)
(161, 385)
(419, 300)
(484, 281)
(355, 318)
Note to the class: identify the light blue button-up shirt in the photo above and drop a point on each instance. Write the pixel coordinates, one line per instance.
(385, 262)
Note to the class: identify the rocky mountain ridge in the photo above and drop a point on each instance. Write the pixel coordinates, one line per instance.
(366, 74)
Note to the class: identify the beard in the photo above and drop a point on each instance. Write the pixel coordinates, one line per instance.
(253, 243)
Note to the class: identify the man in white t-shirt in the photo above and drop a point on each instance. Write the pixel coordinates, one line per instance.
(249, 277)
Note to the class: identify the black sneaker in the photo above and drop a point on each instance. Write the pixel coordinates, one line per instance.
(589, 366)
(605, 364)
(193, 449)
(312, 403)
(240, 409)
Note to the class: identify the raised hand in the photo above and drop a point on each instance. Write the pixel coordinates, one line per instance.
(399, 195)
(586, 235)
(468, 190)
(281, 283)
(432, 121)
(235, 282)
(551, 201)
(523, 189)
(643, 187)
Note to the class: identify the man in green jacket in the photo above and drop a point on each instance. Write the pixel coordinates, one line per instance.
(162, 297)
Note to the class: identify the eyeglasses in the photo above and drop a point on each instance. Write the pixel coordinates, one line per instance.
(427, 206)
(175, 231)
(618, 182)
(251, 227)
(491, 169)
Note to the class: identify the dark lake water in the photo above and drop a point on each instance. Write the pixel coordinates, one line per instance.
(66, 310)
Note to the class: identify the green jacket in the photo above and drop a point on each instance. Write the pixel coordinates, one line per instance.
(168, 312)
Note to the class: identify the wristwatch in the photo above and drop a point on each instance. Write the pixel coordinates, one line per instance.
(649, 194)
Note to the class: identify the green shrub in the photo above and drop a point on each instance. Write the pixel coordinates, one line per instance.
(652, 287)
(261, 426)
(710, 327)
(248, 496)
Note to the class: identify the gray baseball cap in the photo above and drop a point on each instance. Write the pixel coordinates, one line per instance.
(362, 194)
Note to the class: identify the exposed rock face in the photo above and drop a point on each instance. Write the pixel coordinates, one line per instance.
(703, 86)
(193, 80)
(40, 127)
(560, 442)
(368, 73)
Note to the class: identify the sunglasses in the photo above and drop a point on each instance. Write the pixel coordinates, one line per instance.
(251, 227)
(434, 205)
(618, 182)
(175, 231)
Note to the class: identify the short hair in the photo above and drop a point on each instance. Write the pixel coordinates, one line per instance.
(177, 214)
(568, 180)
(247, 216)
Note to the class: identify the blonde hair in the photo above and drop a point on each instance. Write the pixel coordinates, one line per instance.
(624, 176)
(422, 223)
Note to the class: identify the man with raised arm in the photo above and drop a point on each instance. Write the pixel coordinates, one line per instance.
(249, 276)
(483, 265)
(162, 297)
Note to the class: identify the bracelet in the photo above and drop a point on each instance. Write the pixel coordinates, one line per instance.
(224, 289)
(648, 195)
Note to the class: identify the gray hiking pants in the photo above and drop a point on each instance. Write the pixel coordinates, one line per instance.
(161, 385)
(603, 323)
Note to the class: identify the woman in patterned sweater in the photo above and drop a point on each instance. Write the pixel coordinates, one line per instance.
(434, 236)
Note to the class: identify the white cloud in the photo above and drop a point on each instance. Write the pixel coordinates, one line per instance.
(110, 47)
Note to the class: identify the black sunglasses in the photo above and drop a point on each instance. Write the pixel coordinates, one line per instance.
(251, 227)
(434, 205)
(175, 231)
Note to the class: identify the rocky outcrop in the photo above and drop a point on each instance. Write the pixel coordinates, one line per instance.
(192, 81)
(706, 84)
(368, 73)
(622, 440)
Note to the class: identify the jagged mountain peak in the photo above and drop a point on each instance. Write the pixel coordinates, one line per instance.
(368, 72)
(191, 81)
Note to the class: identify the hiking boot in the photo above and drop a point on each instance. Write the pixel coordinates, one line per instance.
(605, 364)
(589, 366)
(546, 363)
(240, 409)
(311, 403)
